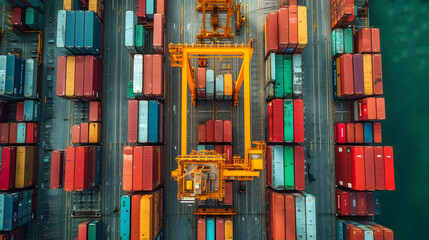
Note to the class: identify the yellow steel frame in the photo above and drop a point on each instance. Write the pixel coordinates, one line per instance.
(215, 212)
(180, 55)
(221, 6)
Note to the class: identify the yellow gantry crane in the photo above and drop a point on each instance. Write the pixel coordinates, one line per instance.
(202, 175)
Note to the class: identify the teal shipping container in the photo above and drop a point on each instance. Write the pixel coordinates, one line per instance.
(289, 168)
(33, 19)
(210, 84)
(80, 32)
(210, 228)
(125, 225)
(279, 82)
(288, 120)
(153, 109)
(278, 167)
(219, 87)
(348, 40)
(20, 133)
(287, 76)
(94, 230)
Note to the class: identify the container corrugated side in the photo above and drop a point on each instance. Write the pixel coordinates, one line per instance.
(288, 75)
(310, 214)
(288, 120)
(219, 87)
(143, 122)
(279, 84)
(124, 230)
(153, 108)
(80, 32)
(3, 59)
(130, 22)
(70, 31)
(31, 75)
(210, 84)
(93, 38)
(289, 168)
(278, 167)
(297, 74)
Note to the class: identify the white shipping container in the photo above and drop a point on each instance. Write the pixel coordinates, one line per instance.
(310, 216)
(30, 81)
(2, 74)
(130, 24)
(300, 216)
(143, 121)
(297, 74)
(138, 75)
(61, 29)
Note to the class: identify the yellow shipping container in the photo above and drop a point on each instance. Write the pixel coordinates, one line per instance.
(146, 217)
(95, 6)
(70, 75)
(24, 166)
(94, 133)
(302, 26)
(228, 229)
(367, 74)
(227, 85)
(68, 5)
(338, 77)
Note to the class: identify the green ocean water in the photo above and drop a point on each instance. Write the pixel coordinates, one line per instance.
(404, 29)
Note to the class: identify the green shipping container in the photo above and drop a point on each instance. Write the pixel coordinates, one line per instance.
(33, 19)
(94, 230)
(287, 75)
(339, 41)
(333, 43)
(288, 120)
(130, 93)
(289, 168)
(279, 83)
(348, 40)
(140, 33)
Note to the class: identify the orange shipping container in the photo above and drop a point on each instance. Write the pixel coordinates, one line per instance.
(375, 40)
(201, 228)
(293, 27)
(350, 132)
(346, 72)
(76, 134)
(381, 113)
(127, 172)
(377, 132)
(228, 229)
(84, 131)
(377, 74)
(70, 75)
(135, 217)
(69, 169)
(138, 168)
(228, 85)
(358, 133)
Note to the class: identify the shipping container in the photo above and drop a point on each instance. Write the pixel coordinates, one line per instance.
(346, 72)
(375, 40)
(94, 227)
(61, 30)
(270, 68)
(83, 230)
(70, 75)
(227, 149)
(269, 166)
(278, 168)
(147, 74)
(158, 32)
(94, 132)
(143, 121)
(350, 132)
(201, 82)
(369, 169)
(299, 168)
(84, 133)
(220, 228)
(377, 74)
(271, 34)
(61, 76)
(93, 34)
(389, 168)
(95, 109)
(3, 77)
(367, 74)
(81, 171)
(124, 230)
(4, 133)
(298, 120)
(293, 28)
(150, 9)
(7, 170)
(380, 108)
(135, 216)
(141, 10)
(24, 166)
(288, 120)
(377, 132)
(210, 228)
(69, 169)
(201, 228)
(275, 120)
(21, 132)
(277, 212)
(290, 229)
(228, 86)
(219, 87)
(302, 28)
(289, 172)
(297, 75)
(140, 38)
(202, 131)
(70, 31)
(358, 74)
(57, 161)
(227, 131)
(228, 199)
(367, 133)
(128, 163)
(283, 28)
(210, 131)
(158, 76)
(153, 108)
(279, 84)
(364, 40)
(228, 229)
(359, 133)
(219, 131)
(130, 22)
(18, 18)
(138, 75)
(32, 77)
(13, 128)
(210, 84)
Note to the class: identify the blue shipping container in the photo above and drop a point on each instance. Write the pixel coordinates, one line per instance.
(278, 167)
(1, 211)
(70, 32)
(219, 87)
(340, 233)
(143, 121)
(79, 32)
(31, 111)
(209, 84)
(209, 147)
(210, 229)
(201, 147)
(125, 215)
(377, 202)
(153, 121)
(20, 134)
(334, 78)
(18, 89)
(98, 166)
(310, 216)
(150, 9)
(3, 59)
(367, 133)
(300, 216)
(10, 211)
(92, 33)
(13, 75)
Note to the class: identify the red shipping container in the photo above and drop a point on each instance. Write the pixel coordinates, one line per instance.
(220, 228)
(227, 200)
(357, 168)
(370, 203)
(81, 169)
(160, 6)
(4, 133)
(353, 203)
(299, 165)
(350, 130)
(341, 166)
(18, 18)
(358, 132)
(127, 169)
(380, 183)
(277, 131)
(293, 26)
(201, 228)
(218, 148)
(202, 132)
(92, 165)
(7, 170)
(381, 113)
(32, 133)
(57, 161)
(95, 111)
(158, 76)
(283, 28)
(201, 78)
(83, 231)
(69, 169)
(354, 233)
(362, 203)
(298, 120)
(272, 37)
(135, 216)
(268, 166)
(79, 77)
(340, 133)
(227, 150)
(20, 111)
(76, 134)
(138, 168)
(277, 215)
(141, 10)
(150, 168)
(387, 233)
(218, 131)
(367, 109)
(364, 41)
(346, 74)
(90, 78)
(377, 74)
(369, 169)
(343, 203)
(389, 170)
(378, 233)
(210, 131)
(147, 74)
(158, 33)
(84, 132)
(290, 216)
(377, 132)
(61, 76)
(375, 40)
(227, 131)
(270, 127)
(13, 128)
(133, 118)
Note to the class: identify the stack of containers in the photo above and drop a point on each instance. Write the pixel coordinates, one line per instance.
(19, 154)
(348, 230)
(19, 78)
(211, 87)
(143, 155)
(362, 165)
(90, 230)
(37, 4)
(209, 227)
(27, 19)
(285, 37)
